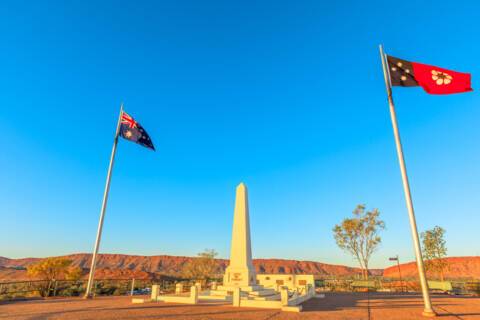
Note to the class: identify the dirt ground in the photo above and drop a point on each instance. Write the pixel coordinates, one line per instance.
(333, 306)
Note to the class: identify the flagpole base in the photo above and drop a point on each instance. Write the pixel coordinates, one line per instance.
(429, 313)
(87, 297)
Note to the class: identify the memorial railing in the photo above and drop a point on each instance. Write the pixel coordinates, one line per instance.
(101, 287)
(470, 287)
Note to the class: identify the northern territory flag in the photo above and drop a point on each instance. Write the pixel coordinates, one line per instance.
(433, 80)
(133, 131)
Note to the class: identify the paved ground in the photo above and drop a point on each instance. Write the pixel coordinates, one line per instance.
(333, 306)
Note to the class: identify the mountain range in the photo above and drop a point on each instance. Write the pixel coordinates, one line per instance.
(121, 266)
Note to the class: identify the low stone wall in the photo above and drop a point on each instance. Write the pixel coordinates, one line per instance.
(192, 298)
(297, 299)
(287, 301)
(291, 281)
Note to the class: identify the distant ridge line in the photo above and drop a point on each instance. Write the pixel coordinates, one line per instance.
(172, 265)
(117, 265)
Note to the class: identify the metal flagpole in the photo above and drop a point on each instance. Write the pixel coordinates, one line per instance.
(428, 311)
(102, 211)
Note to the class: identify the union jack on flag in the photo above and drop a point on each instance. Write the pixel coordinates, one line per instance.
(133, 131)
(128, 120)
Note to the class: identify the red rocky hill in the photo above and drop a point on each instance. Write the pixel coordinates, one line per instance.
(120, 266)
(458, 268)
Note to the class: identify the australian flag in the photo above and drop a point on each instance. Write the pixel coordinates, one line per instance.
(133, 131)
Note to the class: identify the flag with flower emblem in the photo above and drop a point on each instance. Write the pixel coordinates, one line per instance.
(433, 80)
(133, 131)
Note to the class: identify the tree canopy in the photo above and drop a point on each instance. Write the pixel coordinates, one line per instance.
(50, 269)
(434, 250)
(359, 235)
(204, 267)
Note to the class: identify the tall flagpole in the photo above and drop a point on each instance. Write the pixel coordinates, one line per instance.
(428, 311)
(102, 211)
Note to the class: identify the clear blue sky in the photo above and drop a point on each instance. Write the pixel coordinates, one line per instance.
(285, 96)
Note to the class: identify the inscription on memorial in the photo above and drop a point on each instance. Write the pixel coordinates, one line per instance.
(237, 277)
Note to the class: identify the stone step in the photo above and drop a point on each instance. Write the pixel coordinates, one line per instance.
(268, 298)
(219, 292)
(246, 288)
(253, 288)
(262, 293)
(225, 293)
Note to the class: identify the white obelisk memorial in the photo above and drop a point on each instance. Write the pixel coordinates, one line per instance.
(240, 283)
(240, 272)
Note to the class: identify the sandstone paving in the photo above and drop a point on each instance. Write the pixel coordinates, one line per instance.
(333, 306)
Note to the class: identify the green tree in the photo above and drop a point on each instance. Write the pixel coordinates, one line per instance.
(203, 267)
(359, 235)
(49, 269)
(434, 250)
